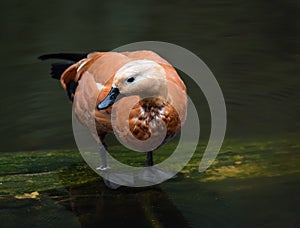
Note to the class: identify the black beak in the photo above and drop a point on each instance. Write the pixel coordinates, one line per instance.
(109, 99)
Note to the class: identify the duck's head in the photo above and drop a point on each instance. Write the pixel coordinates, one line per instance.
(144, 78)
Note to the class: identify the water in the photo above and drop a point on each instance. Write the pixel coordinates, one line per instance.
(252, 47)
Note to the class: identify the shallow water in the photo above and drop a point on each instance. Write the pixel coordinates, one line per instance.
(267, 202)
(253, 49)
(250, 184)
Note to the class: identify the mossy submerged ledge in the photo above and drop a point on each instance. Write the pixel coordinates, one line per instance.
(23, 173)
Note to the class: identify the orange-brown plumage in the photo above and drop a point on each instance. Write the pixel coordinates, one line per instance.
(100, 71)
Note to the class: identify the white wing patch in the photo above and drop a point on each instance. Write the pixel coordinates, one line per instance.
(81, 65)
(99, 86)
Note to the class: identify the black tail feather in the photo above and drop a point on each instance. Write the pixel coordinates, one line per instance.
(71, 88)
(58, 68)
(66, 56)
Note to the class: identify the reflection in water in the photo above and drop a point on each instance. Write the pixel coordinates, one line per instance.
(94, 205)
(268, 202)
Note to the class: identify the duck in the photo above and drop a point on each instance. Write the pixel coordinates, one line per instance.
(138, 96)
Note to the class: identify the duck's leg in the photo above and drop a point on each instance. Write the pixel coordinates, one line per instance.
(102, 147)
(104, 167)
(149, 161)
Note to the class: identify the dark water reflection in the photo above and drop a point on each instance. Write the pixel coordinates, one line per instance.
(261, 202)
(94, 205)
(252, 47)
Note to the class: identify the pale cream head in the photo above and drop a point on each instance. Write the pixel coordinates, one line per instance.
(141, 77)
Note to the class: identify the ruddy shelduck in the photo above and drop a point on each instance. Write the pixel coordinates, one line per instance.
(145, 90)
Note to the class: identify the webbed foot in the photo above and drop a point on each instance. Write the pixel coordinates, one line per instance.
(103, 168)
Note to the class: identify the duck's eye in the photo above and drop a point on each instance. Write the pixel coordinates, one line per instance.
(131, 79)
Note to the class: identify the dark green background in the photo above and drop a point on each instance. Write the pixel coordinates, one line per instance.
(252, 47)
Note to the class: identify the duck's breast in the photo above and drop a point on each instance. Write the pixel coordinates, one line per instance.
(145, 125)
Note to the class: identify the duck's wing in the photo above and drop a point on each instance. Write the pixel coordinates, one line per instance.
(94, 76)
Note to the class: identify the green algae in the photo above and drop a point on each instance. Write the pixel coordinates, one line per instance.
(27, 172)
